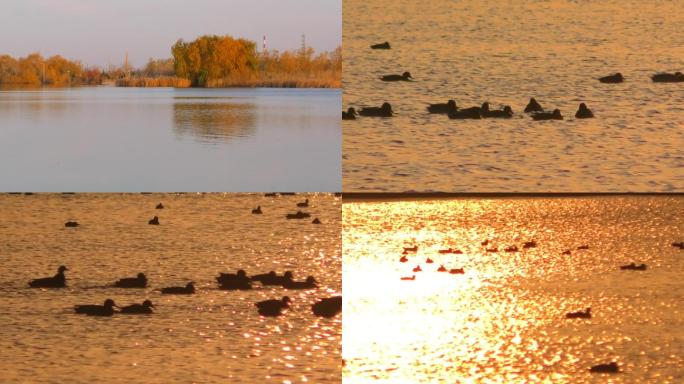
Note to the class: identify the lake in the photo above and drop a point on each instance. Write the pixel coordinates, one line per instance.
(106, 139)
(503, 319)
(213, 336)
(505, 53)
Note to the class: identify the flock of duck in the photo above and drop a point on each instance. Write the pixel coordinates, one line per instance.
(533, 108)
(585, 314)
(325, 307)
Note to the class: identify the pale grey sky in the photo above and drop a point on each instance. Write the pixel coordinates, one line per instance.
(99, 32)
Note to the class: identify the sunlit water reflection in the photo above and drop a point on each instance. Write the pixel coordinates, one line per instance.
(212, 336)
(503, 320)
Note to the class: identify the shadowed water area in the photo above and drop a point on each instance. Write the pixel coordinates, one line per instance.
(211, 336)
(104, 139)
(505, 53)
(504, 319)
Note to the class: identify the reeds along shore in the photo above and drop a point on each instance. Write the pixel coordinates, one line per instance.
(317, 80)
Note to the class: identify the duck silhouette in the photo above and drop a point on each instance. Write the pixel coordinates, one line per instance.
(316, 221)
(107, 309)
(583, 112)
(327, 307)
(71, 224)
(309, 283)
(505, 113)
(466, 113)
(530, 244)
(189, 289)
(273, 279)
(56, 281)
(456, 271)
(448, 107)
(411, 249)
(403, 259)
(450, 250)
(257, 210)
(273, 307)
(612, 79)
(138, 309)
(385, 45)
(533, 106)
(679, 245)
(406, 76)
(232, 281)
(676, 77)
(417, 269)
(633, 267)
(154, 221)
(350, 114)
(555, 115)
(605, 368)
(384, 111)
(298, 215)
(429, 261)
(159, 206)
(409, 278)
(139, 281)
(585, 246)
(586, 314)
(441, 269)
(512, 248)
(305, 203)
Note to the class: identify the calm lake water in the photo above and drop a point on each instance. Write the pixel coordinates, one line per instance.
(505, 53)
(212, 336)
(503, 320)
(106, 139)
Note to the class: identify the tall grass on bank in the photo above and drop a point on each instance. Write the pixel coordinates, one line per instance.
(164, 81)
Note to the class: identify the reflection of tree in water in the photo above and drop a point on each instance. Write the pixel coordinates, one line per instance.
(214, 121)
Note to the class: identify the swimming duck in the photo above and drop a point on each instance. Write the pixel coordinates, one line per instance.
(566, 252)
(316, 221)
(585, 246)
(441, 269)
(384, 111)
(406, 76)
(676, 77)
(448, 107)
(504, 113)
(298, 215)
(555, 115)
(612, 79)
(189, 289)
(492, 250)
(309, 283)
(429, 261)
(235, 284)
(142, 309)
(409, 278)
(533, 106)
(154, 221)
(417, 269)
(450, 250)
(273, 307)
(240, 275)
(411, 249)
(305, 203)
(679, 245)
(139, 281)
(71, 224)
(583, 112)
(485, 242)
(257, 210)
(586, 314)
(403, 259)
(56, 281)
(107, 309)
(327, 307)
(350, 114)
(512, 248)
(385, 45)
(456, 271)
(605, 368)
(634, 267)
(466, 113)
(530, 244)
(159, 206)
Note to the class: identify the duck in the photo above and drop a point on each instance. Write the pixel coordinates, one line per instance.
(466, 113)
(612, 79)
(139, 281)
(406, 76)
(417, 269)
(505, 113)
(56, 281)
(408, 278)
(189, 289)
(448, 107)
(304, 203)
(411, 249)
(71, 224)
(441, 269)
(605, 368)
(485, 243)
(555, 115)
(679, 245)
(492, 250)
(456, 271)
(327, 307)
(107, 309)
(634, 267)
(403, 259)
(154, 221)
(240, 275)
(138, 309)
(586, 314)
(530, 244)
(533, 106)
(566, 252)
(274, 279)
(316, 221)
(309, 283)
(298, 215)
(429, 261)
(583, 112)
(676, 77)
(350, 114)
(385, 45)
(512, 248)
(159, 206)
(585, 246)
(383, 111)
(257, 210)
(273, 307)
(450, 250)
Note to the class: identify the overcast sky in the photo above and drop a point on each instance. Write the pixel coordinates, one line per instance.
(99, 32)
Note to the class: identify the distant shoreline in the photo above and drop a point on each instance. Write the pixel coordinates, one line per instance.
(380, 196)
